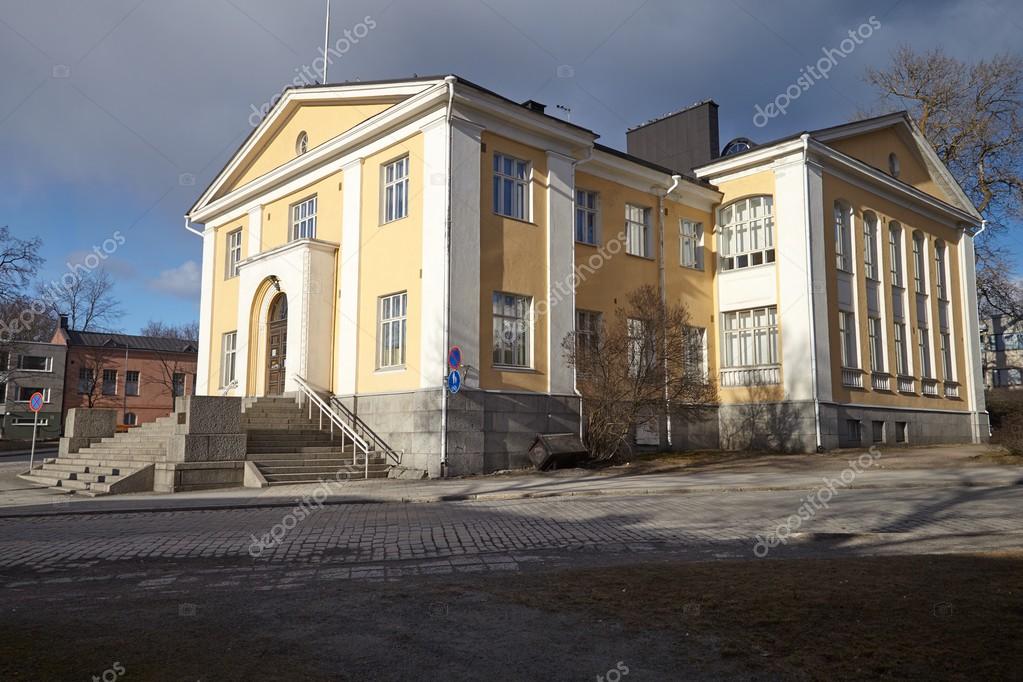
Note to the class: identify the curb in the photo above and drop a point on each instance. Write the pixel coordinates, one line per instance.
(495, 497)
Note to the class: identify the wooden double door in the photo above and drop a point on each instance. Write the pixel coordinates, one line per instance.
(276, 345)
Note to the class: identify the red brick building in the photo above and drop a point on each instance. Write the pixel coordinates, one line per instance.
(139, 376)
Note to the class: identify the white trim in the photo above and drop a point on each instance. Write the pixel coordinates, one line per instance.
(434, 183)
(347, 331)
(560, 268)
(644, 179)
(202, 369)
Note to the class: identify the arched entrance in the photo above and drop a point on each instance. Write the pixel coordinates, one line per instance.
(276, 344)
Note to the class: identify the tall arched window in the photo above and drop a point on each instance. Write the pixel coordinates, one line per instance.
(919, 263)
(871, 258)
(747, 233)
(895, 252)
(843, 236)
(940, 267)
(302, 143)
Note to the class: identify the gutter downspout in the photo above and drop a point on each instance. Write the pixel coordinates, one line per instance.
(663, 285)
(805, 138)
(188, 226)
(450, 82)
(575, 371)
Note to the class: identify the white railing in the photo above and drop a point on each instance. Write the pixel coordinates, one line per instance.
(751, 376)
(907, 385)
(881, 381)
(951, 389)
(347, 433)
(852, 378)
(930, 387)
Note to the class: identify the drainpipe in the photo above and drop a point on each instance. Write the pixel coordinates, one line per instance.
(188, 226)
(805, 138)
(661, 208)
(575, 372)
(450, 82)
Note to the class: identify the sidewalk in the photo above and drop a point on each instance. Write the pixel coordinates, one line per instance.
(19, 499)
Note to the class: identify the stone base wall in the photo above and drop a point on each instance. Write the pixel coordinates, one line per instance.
(782, 426)
(409, 422)
(176, 477)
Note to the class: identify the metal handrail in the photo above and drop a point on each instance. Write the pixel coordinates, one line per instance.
(361, 427)
(357, 441)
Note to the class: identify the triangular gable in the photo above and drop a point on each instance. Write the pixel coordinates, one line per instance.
(872, 140)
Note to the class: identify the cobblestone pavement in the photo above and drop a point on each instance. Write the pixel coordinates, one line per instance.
(385, 540)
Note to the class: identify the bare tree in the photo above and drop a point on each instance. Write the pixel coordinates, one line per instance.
(88, 301)
(972, 114)
(646, 362)
(186, 331)
(19, 262)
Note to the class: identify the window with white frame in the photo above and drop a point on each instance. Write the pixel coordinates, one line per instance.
(696, 353)
(393, 316)
(747, 233)
(178, 384)
(35, 363)
(29, 421)
(110, 382)
(587, 333)
(511, 187)
(691, 244)
(871, 260)
(396, 190)
(586, 216)
(301, 143)
(513, 329)
(228, 358)
(641, 352)
(86, 380)
(895, 252)
(940, 265)
(901, 350)
(843, 236)
(876, 344)
(303, 219)
(924, 345)
(234, 253)
(130, 419)
(131, 382)
(919, 263)
(946, 355)
(637, 230)
(750, 337)
(25, 393)
(847, 334)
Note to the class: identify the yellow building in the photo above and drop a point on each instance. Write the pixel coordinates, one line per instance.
(362, 230)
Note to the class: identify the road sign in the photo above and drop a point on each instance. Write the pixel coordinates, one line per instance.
(454, 381)
(35, 403)
(455, 357)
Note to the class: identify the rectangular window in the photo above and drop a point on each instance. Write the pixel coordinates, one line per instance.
(901, 351)
(5, 358)
(25, 393)
(131, 382)
(870, 259)
(130, 419)
(178, 384)
(3, 392)
(946, 356)
(877, 431)
(86, 380)
(587, 333)
(35, 363)
(696, 353)
(303, 219)
(637, 230)
(876, 344)
(900, 432)
(924, 344)
(939, 263)
(234, 253)
(513, 329)
(393, 314)
(919, 264)
(843, 237)
(641, 352)
(847, 334)
(691, 244)
(750, 337)
(586, 216)
(747, 233)
(396, 190)
(228, 358)
(511, 188)
(853, 432)
(895, 253)
(29, 421)
(110, 382)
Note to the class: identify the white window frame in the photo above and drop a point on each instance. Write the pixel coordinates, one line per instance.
(234, 253)
(395, 195)
(48, 363)
(29, 421)
(301, 143)
(587, 217)
(940, 264)
(920, 263)
(392, 323)
(103, 382)
(587, 330)
(518, 354)
(90, 379)
(871, 260)
(512, 185)
(876, 338)
(228, 358)
(902, 367)
(843, 236)
(637, 230)
(848, 337)
(924, 346)
(134, 419)
(696, 338)
(895, 250)
(174, 384)
(747, 334)
(690, 244)
(137, 382)
(303, 219)
(32, 390)
(746, 233)
(947, 359)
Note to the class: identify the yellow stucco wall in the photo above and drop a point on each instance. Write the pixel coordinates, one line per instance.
(225, 296)
(390, 262)
(276, 226)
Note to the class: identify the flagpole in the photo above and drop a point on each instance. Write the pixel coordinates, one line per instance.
(326, 42)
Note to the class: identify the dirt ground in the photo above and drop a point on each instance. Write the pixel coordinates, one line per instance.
(924, 617)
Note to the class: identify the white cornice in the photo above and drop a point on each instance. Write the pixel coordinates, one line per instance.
(645, 179)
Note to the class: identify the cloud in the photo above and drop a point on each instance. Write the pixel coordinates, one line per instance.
(182, 281)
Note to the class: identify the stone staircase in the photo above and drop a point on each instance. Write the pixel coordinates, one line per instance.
(99, 469)
(287, 446)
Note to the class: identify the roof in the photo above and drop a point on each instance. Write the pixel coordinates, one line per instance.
(129, 341)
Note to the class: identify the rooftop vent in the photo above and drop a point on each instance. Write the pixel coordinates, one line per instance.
(533, 105)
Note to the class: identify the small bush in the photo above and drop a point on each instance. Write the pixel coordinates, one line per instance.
(1005, 409)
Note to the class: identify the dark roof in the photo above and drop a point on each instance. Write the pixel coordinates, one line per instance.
(643, 162)
(151, 343)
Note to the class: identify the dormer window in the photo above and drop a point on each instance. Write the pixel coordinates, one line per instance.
(893, 165)
(302, 144)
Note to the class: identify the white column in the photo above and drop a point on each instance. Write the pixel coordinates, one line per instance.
(973, 380)
(347, 332)
(560, 267)
(432, 353)
(202, 371)
(464, 255)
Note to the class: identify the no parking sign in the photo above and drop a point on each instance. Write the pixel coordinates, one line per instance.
(35, 403)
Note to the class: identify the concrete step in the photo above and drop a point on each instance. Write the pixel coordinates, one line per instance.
(293, 479)
(306, 452)
(40, 479)
(85, 467)
(73, 485)
(267, 448)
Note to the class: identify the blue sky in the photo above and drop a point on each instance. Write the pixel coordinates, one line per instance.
(111, 109)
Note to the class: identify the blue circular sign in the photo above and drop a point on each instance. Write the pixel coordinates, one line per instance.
(455, 357)
(454, 381)
(36, 401)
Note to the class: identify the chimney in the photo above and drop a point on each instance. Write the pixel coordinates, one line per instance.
(63, 321)
(533, 105)
(680, 141)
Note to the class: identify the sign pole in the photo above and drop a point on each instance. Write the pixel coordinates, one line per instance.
(32, 455)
